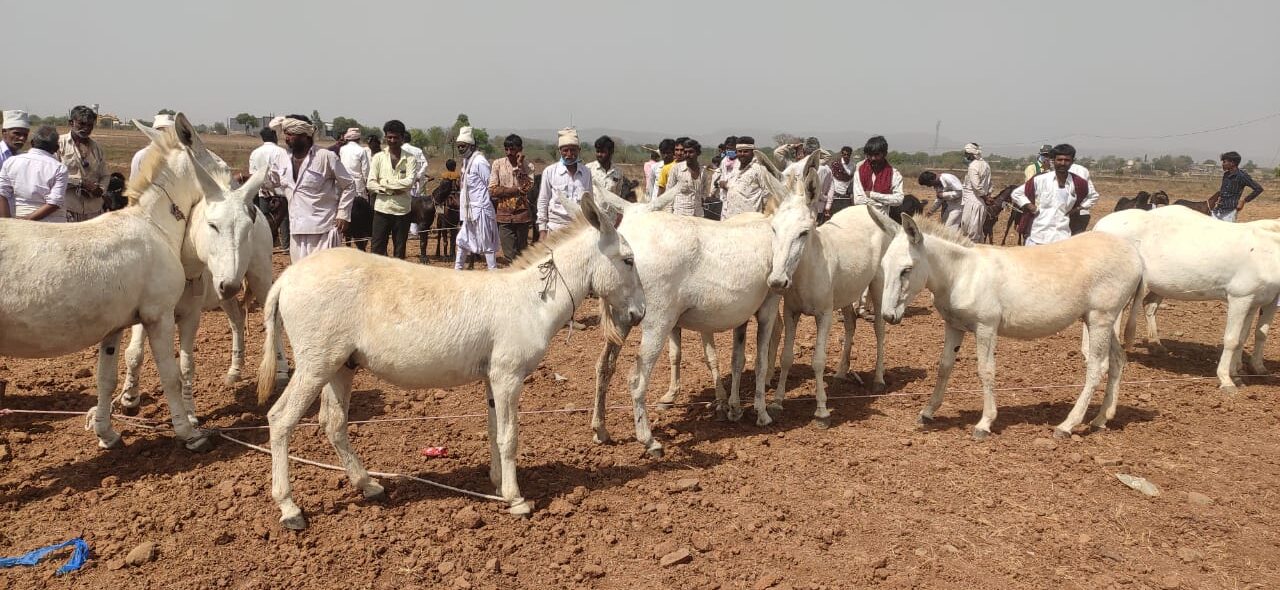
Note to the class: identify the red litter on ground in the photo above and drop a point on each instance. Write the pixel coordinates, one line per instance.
(435, 452)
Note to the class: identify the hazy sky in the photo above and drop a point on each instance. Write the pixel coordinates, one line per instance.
(1002, 73)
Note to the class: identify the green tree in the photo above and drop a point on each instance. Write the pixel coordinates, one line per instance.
(342, 124)
(418, 139)
(436, 137)
(219, 128)
(166, 112)
(459, 123)
(250, 122)
(1249, 166)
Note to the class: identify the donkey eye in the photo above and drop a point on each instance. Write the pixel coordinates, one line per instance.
(213, 227)
(906, 271)
(804, 234)
(629, 261)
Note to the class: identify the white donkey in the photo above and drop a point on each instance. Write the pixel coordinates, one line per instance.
(227, 243)
(1192, 257)
(1020, 292)
(70, 286)
(490, 326)
(707, 276)
(840, 262)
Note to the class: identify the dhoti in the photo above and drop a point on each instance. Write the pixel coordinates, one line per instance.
(951, 214)
(304, 245)
(972, 217)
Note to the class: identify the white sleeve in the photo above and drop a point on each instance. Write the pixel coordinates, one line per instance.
(1090, 199)
(1019, 196)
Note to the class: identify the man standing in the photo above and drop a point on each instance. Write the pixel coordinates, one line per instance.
(317, 186)
(356, 160)
(841, 193)
(1048, 200)
(977, 193)
(33, 184)
(1226, 203)
(603, 172)
(791, 153)
(391, 175)
(685, 180)
(509, 185)
(878, 184)
(748, 189)
(260, 159)
(86, 166)
(159, 123)
(479, 231)
(949, 192)
(13, 134)
(568, 178)
(667, 155)
(728, 169)
(1042, 164)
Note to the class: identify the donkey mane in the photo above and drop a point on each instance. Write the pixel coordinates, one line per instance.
(154, 166)
(535, 253)
(932, 227)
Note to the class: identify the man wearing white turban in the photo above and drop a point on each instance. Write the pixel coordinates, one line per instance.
(356, 160)
(479, 231)
(318, 188)
(14, 131)
(568, 178)
(976, 194)
(161, 121)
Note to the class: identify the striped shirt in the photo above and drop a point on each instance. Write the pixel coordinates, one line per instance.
(1233, 184)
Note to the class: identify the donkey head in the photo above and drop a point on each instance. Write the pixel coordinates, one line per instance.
(794, 222)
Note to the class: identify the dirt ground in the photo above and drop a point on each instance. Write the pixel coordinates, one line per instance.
(871, 502)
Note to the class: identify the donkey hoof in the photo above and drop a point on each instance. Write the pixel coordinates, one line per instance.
(130, 410)
(602, 438)
(980, 434)
(203, 444)
(764, 420)
(722, 415)
(231, 379)
(379, 496)
(664, 406)
(1061, 434)
(823, 422)
(296, 522)
(878, 387)
(1097, 428)
(1229, 389)
(114, 443)
(922, 420)
(521, 508)
(656, 451)
(774, 407)
(735, 414)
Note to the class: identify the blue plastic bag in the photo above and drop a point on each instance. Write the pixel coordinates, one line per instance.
(78, 556)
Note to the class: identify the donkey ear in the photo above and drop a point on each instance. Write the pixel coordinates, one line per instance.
(252, 186)
(570, 206)
(152, 134)
(812, 180)
(913, 231)
(603, 223)
(210, 187)
(187, 132)
(884, 222)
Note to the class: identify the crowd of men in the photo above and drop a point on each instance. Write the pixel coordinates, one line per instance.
(62, 178)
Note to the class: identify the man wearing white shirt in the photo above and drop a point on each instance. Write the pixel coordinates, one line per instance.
(568, 178)
(949, 192)
(13, 131)
(356, 160)
(977, 193)
(603, 172)
(260, 159)
(841, 193)
(159, 123)
(1048, 200)
(317, 186)
(876, 183)
(33, 184)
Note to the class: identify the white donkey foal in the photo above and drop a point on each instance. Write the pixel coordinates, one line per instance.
(1020, 292)
(231, 244)
(707, 276)
(840, 262)
(490, 326)
(70, 286)
(1191, 257)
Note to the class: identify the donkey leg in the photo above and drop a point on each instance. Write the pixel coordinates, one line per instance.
(1150, 305)
(337, 394)
(675, 355)
(1238, 357)
(108, 367)
(736, 366)
(283, 417)
(506, 397)
(235, 317)
(951, 340)
(790, 319)
(822, 415)
(495, 458)
(187, 328)
(130, 399)
(713, 361)
(846, 346)
(605, 367)
(1116, 361)
(1100, 335)
(766, 317)
(1265, 315)
(984, 337)
(260, 280)
(650, 347)
(160, 334)
(878, 326)
(1237, 316)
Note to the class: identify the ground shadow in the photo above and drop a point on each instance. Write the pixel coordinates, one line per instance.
(1193, 359)
(1040, 413)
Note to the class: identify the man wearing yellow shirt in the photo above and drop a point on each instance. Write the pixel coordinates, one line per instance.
(677, 156)
(1040, 165)
(391, 174)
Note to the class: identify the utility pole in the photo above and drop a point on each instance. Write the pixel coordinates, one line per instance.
(937, 129)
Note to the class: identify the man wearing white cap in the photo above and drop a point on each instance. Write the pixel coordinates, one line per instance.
(162, 121)
(318, 188)
(568, 178)
(14, 131)
(976, 194)
(356, 160)
(479, 231)
(86, 166)
(33, 184)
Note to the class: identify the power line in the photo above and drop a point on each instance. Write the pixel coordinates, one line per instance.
(1138, 137)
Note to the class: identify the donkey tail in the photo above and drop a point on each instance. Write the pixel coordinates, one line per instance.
(1135, 307)
(270, 317)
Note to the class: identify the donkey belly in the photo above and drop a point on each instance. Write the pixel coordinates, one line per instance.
(28, 334)
(1036, 322)
(427, 363)
(717, 314)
